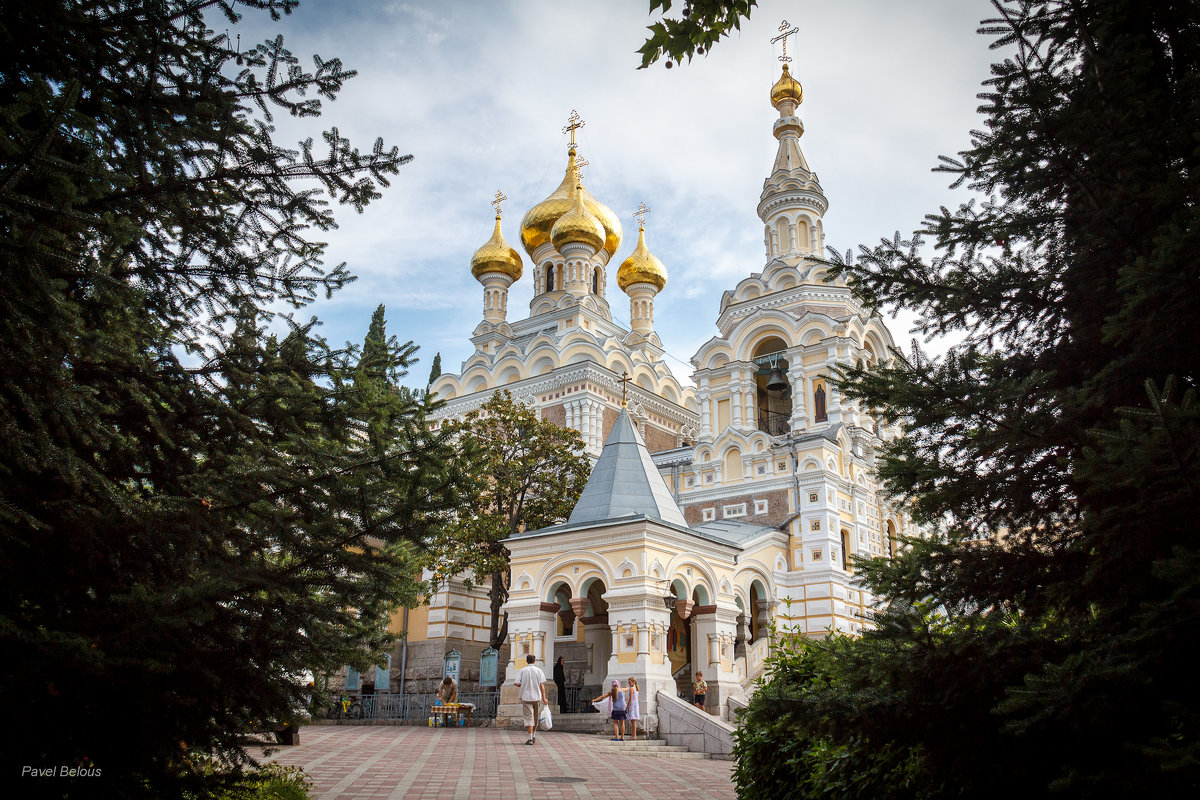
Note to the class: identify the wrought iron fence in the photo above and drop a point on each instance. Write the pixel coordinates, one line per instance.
(774, 423)
(578, 700)
(408, 707)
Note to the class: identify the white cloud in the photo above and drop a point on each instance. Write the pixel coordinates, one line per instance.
(478, 92)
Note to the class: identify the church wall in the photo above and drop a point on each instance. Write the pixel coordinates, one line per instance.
(777, 508)
(556, 414)
(658, 439)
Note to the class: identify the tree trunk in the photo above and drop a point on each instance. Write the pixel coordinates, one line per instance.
(499, 594)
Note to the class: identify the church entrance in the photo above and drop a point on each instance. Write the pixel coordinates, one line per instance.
(680, 642)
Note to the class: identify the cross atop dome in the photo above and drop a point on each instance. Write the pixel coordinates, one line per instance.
(640, 214)
(500, 198)
(574, 123)
(784, 33)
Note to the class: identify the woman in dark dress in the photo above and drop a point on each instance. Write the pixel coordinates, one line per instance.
(560, 680)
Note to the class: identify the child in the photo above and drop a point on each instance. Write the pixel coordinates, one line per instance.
(699, 689)
(615, 699)
(633, 707)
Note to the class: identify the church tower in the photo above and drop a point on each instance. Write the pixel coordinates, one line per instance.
(778, 445)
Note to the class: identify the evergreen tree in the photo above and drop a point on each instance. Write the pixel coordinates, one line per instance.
(521, 473)
(1037, 641)
(193, 514)
(435, 371)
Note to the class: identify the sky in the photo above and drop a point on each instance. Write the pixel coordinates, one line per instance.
(479, 91)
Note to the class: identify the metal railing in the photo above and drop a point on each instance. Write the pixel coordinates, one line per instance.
(408, 707)
(774, 423)
(578, 701)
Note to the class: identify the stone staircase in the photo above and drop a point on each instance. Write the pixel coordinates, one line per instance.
(581, 723)
(651, 748)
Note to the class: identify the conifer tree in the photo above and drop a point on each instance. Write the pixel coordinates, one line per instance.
(521, 473)
(435, 371)
(1037, 641)
(194, 513)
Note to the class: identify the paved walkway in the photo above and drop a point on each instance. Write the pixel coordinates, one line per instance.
(421, 763)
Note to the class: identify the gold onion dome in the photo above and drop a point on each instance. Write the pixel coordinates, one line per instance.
(786, 88)
(641, 267)
(496, 257)
(578, 225)
(539, 220)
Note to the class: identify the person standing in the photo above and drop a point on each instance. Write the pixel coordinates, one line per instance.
(616, 704)
(532, 683)
(699, 689)
(633, 709)
(560, 680)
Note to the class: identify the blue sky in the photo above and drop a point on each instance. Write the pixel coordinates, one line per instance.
(479, 92)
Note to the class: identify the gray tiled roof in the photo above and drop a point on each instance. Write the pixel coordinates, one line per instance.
(625, 482)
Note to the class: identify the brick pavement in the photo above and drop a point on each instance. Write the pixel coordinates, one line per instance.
(421, 763)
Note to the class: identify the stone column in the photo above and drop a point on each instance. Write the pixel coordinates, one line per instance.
(704, 398)
(715, 628)
(735, 399)
(530, 624)
(799, 396)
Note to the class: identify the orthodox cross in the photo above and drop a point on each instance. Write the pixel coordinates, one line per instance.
(574, 123)
(625, 380)
(640, 214)
(580, 163)
(500, 198)
(784, 33)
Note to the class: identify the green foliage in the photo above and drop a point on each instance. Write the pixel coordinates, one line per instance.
(701, 24)
(200, 502)
(269, 782)
(522, 473)
(1037, 641)
(435, 370)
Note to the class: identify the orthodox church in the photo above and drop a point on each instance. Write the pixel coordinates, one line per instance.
(714, 509)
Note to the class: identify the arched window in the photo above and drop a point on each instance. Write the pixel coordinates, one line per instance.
(550, 279)
(595, 281)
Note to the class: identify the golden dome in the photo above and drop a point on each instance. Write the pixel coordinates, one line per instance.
(786, 88)
(496, 257)
(641, 267)
(539, 221)
(577, 225)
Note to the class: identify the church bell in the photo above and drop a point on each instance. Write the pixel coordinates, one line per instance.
(776, 382)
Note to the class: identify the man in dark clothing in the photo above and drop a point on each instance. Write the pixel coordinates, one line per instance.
(560, 680)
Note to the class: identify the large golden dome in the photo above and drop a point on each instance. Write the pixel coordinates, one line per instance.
(786, 88)
(641, 267)
(539, 221)
(496, 257)
(578, 225)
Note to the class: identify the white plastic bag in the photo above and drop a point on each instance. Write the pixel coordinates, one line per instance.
(545, 720)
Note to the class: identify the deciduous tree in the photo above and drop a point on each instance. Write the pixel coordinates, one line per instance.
(524, 473)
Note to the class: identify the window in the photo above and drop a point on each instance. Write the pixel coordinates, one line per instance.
(352, 679)
(760, 506)
(596, 281)
(738, 510)
(708, 514)
(550, 279)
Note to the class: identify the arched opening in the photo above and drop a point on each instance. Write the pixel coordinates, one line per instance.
(679, 639)
(758, 611)
(891, 539)
(802, 236)
(700, 596)
(774, 389)
(845, 549)
(548, 268)
(595, 281)
(785, 239)
(564, 617)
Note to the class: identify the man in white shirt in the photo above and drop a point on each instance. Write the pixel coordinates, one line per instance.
(532, 683)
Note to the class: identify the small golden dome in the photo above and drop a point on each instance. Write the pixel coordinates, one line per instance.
(786, 88)
(578, 225)
(539, 220)
(641, 267)
(496, 256)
